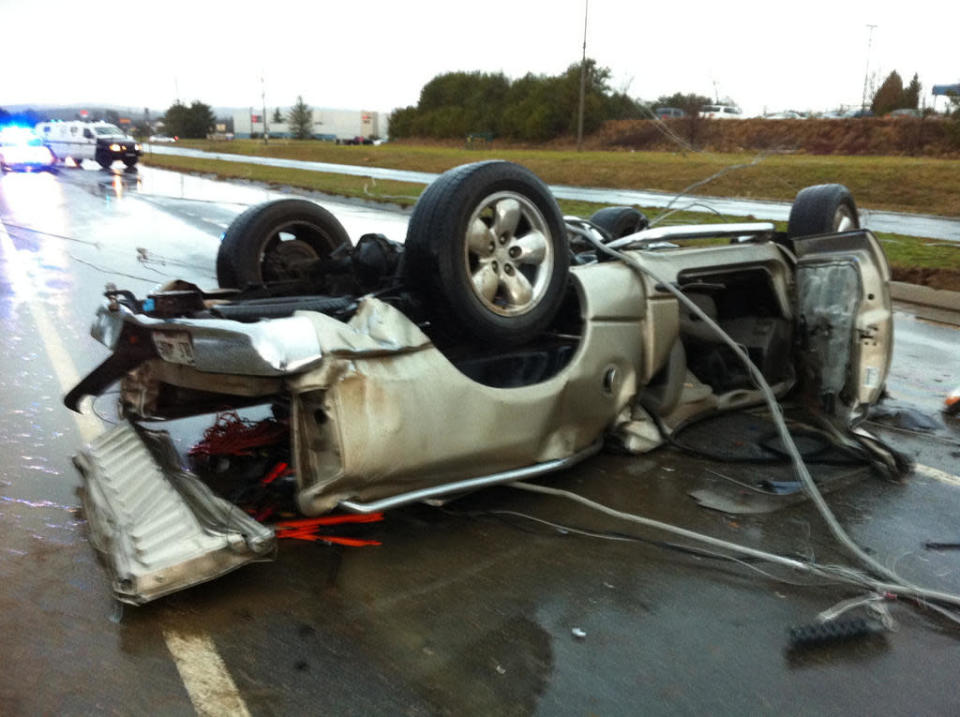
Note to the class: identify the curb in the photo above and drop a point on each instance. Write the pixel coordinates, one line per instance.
(924, 296)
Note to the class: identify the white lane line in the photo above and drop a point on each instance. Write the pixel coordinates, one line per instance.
(936, 474)
(209, 685)
(206, 678)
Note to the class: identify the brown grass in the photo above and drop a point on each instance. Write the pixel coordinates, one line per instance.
(910, 184)
(930, 137)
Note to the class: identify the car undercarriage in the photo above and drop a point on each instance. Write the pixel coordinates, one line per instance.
(501, 341)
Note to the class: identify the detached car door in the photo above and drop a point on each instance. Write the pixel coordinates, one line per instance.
(844, 321)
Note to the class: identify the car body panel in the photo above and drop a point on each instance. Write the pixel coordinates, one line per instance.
(844, 305)
(368, 404)
(159, 528)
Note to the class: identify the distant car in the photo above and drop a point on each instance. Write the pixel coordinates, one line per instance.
(669, 112)
(21, 149)
(720, 112)
(788, 114)
(162, 139)
(905, 113)
(847, 114)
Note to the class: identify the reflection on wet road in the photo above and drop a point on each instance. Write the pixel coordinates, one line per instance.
(469, 609)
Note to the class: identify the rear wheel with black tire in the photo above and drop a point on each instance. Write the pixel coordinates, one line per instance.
(620, 221)
(486, 248)
(130, 162)
(105, 163)
(273, 241)
(823, 209)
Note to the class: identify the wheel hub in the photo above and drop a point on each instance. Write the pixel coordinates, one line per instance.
(508, 254)
(285, 258)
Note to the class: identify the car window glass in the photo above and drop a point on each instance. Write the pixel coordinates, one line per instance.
(88, 134)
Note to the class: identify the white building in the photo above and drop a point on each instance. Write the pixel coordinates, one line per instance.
(332, 125)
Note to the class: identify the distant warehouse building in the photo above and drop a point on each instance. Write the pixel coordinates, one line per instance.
(331, 125)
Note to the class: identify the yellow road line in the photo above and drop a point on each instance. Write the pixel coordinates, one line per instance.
(205, 676)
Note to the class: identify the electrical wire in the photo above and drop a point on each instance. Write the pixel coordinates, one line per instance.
(890, 582)
(910, 432)
(114, 272)
(685, 207)
(831, 572)
(8, 224)
(620, 537)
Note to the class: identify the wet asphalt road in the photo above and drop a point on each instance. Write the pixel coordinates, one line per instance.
(466, 610)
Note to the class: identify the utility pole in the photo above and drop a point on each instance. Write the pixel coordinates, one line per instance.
(583, 78)
(263, 98)
(866, 72)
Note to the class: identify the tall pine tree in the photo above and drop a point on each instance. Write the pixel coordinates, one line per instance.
(300, 120)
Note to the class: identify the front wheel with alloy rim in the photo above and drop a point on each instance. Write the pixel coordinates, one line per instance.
(823, 209)
(486, 248)
(275, 241)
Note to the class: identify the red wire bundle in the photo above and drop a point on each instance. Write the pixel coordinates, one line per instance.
(307, 529)
(235, 436)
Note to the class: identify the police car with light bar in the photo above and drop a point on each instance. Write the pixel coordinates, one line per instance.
(100, 141)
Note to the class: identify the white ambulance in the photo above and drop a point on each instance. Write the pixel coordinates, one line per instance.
(100, 141)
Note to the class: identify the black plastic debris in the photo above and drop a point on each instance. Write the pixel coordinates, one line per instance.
(904, 417)
(819, 634)
(934, 545)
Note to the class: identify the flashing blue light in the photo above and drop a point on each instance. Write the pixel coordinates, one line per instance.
(18, 136)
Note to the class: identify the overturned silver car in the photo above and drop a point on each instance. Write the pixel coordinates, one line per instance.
(501, 341)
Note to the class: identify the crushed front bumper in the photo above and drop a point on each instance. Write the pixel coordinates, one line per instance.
(157, 527)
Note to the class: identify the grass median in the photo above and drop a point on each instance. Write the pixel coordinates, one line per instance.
(916, 260)
(908, 184)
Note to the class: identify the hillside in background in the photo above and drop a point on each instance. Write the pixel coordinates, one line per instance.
(933, 136)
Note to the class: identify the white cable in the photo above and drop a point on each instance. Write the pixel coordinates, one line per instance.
(897, 585)
(842, 573)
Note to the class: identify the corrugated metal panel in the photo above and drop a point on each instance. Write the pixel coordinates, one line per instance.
(156, 527)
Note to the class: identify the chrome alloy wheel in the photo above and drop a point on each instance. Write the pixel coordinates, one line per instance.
(844, 220)
(508, 253)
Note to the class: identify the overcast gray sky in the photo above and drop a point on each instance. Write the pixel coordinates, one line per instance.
(377, 54)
